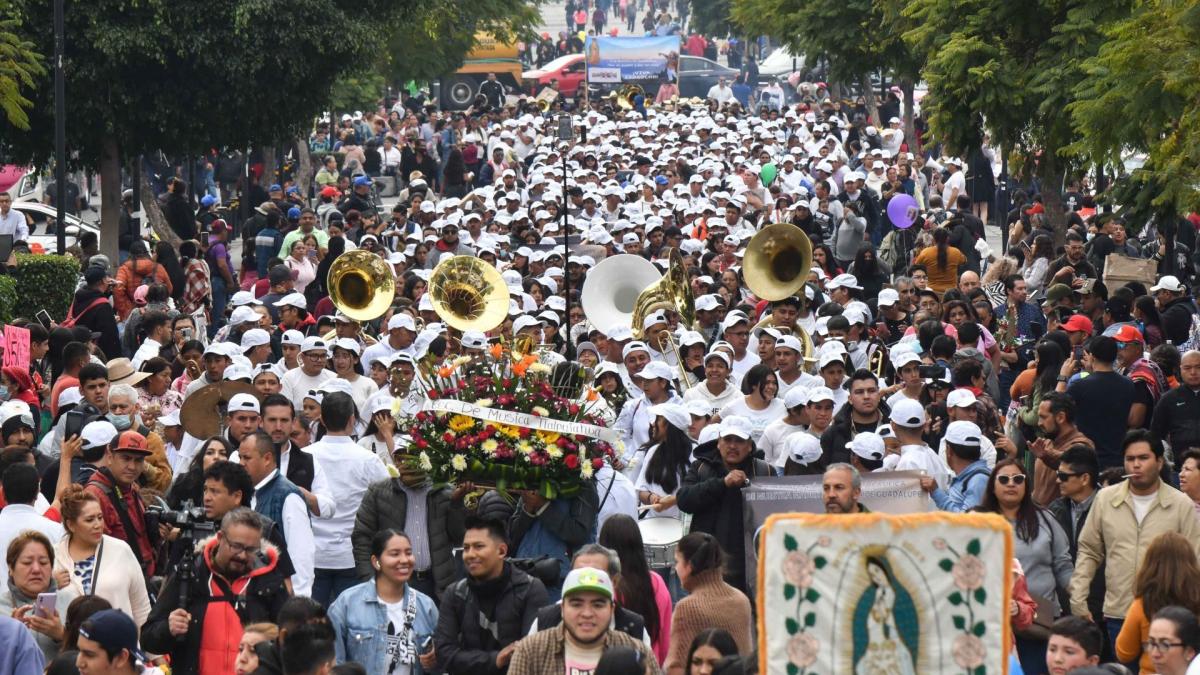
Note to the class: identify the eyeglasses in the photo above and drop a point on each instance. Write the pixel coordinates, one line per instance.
(1064, 476)
(1015, 479)
(241, 548)
(1159, 645)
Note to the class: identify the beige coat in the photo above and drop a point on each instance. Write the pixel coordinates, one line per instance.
(1112, 536)
(119, 579)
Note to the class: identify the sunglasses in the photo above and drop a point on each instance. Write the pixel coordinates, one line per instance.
(1064, 476)
(1015, 479)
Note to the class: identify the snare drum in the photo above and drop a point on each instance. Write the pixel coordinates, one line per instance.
(659, 537)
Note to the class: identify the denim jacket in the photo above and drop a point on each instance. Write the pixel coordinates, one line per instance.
(360, 620)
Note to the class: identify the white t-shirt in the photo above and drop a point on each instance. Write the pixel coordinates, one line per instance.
(759, 419)
(295, 384)
(1142, 504)
(700, 392)
(773, 437)
(923, 458)
(958, 180)
(740, 368)
(396, 616)
(579, 660)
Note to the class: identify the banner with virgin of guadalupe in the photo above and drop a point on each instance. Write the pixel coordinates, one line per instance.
(873, 594)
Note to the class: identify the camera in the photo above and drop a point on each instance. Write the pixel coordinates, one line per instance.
(933, 372)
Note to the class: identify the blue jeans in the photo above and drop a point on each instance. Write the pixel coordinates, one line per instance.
(329, 584)
(1113, 628)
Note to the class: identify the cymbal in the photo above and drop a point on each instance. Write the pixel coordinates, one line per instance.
(202, 411)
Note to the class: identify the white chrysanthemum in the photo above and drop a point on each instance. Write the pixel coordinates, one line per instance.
(426, 464)
(484, 403)
(585, 470)
(458, 463)
(540, 368)
(539, 410)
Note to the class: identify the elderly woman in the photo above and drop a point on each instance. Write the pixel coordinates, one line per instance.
(155, 396)
(30, 558)
(299, 261)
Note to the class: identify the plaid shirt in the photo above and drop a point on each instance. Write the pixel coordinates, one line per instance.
(197, 289)
(543, 653)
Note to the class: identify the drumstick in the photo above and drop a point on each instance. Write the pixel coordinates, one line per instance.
(645, 507)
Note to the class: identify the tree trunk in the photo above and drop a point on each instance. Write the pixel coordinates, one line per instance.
(270, 161)
(910, 129)
(304, 168)
(110, 199)
(154, 214)
(1051, 180)
(871, 101)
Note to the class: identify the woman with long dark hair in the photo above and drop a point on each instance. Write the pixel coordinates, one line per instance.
(710, 646)
(760, 403)
(191, 484)
(711, 603)
(1146, 313)
(164, 253)
(337, 246)
(871, 272)
(1037, 264)
(1049, 357)
(639, 589)
(1040, 544)
(941, 261)
(823, 258)
(668, 455)
(198, 278)
(454, 176)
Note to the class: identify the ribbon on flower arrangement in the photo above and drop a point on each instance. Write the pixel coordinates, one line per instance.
(519, 419)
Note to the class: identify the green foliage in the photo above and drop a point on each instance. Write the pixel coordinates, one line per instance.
(438, 35)
(8, 298)
(710, 17)
(20, 65)
(991, 60)
(44, 282)
(1142, 93)
(361, 91)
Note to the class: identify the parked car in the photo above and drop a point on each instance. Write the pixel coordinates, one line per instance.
(697, 75)
(43, 239)
(22, 183)
(780, 63)
(568, 70)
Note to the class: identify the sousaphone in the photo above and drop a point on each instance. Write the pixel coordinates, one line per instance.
(671, 293)
(361, 285)
(204, 409)
(776, 266)
(468, 293)
(611, 289)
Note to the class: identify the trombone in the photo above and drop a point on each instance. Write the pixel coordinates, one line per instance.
(673, 293)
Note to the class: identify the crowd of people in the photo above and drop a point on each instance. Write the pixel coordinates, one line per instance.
(302, 538)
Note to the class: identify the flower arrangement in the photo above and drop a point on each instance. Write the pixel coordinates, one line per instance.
(513, 431)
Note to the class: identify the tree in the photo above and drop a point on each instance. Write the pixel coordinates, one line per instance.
(1141, 93)
(435, 39)
(858, 37)
(711, 17)
(20, 66)
(1010, 68)
(185, 76)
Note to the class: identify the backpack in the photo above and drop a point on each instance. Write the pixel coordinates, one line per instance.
(72, 319)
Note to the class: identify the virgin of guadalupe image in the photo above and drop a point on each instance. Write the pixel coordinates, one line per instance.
(885, 626)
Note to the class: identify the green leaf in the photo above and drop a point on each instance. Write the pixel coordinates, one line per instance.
(946, 564)
(792, 626)
(980, 595)
(789, 542)
(973, 547)
(959, 622)
(979, 629)
(789, 591)
(980, 670)
(810, 619)
(793, 669)
(819, 562)
(812, 595)
(955, 598)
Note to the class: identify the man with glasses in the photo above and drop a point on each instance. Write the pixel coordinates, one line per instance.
(235, 583)
(311, 374)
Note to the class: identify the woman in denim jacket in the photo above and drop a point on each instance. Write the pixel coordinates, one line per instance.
(384, 624)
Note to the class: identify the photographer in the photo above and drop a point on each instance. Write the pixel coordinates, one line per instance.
(200, 613)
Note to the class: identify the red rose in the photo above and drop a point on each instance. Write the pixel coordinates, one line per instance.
(573, 408)
(572, 461)
(448, 437)
(525, 432)
(562, 442)
(597, 463)
(422, 443)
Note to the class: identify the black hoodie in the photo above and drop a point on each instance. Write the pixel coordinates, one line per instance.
(101, 319)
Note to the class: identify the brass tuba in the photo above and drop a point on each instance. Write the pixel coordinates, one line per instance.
(468, 294)
(777, 264)
(626, 94)
(673, 293)
(361, 285)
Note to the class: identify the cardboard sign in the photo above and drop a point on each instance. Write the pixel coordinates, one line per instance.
(16, 347)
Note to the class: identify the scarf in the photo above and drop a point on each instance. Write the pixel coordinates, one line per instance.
(1148, 372)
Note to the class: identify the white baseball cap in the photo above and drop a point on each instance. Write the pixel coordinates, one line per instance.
(1168, 283)
(908, 413)
(963, 432)
(292, 300)
(802, 448)
(349, 344)
(244, 315)
(242, 298)
(820, 393)
(292, 337)
(868, 445)
(100, 433)
(243, 403)
(656, 370)
(255, 337)
(473, 339)
(735, 425)
(888, 297)
(524, 322)
(401, 320)
(675, 414)
(313, 343)
(843, 281)
(960, 398)
(795, 397)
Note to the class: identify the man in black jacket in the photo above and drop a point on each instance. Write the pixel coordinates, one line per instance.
(1176, 306)
(864, 411)
(93, 308)
(482, 617)
(234, 576)
(493, 91)
(1177, 416)
(712, 491)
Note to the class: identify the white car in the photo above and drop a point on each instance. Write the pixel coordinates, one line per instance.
(49, 241)
(780, 63)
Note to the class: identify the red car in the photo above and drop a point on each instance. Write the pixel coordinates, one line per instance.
(568, 70)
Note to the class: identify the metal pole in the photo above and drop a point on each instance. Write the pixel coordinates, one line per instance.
(137, 191)
(566, 248)
(60, 129)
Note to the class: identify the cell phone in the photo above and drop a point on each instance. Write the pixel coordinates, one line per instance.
(43, 318)
(1077, 354)
(74, 424)
(45, 605)
(931, 372)
(426, 644)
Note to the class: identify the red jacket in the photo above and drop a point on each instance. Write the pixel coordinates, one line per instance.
(101, 484)
(222, 629)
